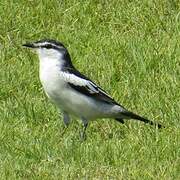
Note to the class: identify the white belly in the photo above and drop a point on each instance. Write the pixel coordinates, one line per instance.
(70, 100)
(74, 103)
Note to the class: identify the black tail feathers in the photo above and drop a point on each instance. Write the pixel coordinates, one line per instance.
(120, 120)
(131, 115)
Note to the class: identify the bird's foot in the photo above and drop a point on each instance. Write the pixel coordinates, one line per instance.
(83, 136)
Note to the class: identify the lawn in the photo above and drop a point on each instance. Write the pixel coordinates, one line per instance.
(132, 50)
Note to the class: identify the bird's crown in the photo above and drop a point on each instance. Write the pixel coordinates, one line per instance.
(46, 43)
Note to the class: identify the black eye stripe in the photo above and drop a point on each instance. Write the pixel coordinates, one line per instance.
(49, 46)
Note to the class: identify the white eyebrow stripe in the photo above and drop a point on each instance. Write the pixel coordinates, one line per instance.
(46, 43)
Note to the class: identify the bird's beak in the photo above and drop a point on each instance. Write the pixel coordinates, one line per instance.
(29, 45)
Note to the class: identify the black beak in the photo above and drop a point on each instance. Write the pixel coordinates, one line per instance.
(29, 45)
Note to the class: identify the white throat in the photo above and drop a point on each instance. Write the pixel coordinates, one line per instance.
(50, 58)
(51, 62)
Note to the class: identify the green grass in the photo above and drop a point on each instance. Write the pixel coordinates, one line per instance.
(131, 49)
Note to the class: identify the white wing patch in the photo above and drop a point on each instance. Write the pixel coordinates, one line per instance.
(87, 87)
(77, 81)
(71, 78)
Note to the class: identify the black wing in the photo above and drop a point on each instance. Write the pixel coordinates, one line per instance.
(89, 88)
(94, 92)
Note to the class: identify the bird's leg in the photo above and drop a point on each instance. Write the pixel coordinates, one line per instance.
(66, 118)
(83, 133)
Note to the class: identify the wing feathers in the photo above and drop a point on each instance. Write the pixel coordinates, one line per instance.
(83, 85)
(93, 92)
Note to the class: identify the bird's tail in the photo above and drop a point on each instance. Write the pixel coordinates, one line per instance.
(131, 115)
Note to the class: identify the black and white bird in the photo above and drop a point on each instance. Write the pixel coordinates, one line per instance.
(72, 92)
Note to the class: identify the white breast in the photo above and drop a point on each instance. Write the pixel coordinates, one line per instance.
(54, 82)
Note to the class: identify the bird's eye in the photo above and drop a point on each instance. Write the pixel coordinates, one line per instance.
(48, 46)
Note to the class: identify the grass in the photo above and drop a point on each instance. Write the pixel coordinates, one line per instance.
(131, 49)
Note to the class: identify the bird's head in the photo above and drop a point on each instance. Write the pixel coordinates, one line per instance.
(48, 49)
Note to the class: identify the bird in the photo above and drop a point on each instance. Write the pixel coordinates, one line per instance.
(74, 93)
